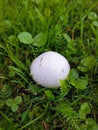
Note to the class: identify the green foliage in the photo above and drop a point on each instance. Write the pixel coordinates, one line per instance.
(13, 103)
(87, 64)
(92, 15)
(85, 109)
(7, 123)
(75, 118)
(67, 111)
(67, 38)
(37, 41)
(49, 95)
(95, 23)
(73, 80)
(5, 91)
(80, 83)
(40, 39)
(64, 87)
(31, 27)
(91, 124)
(25, 38)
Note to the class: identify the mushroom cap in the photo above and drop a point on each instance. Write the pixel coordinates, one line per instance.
(49, 68)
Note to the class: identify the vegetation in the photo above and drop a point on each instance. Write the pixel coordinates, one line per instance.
(31, 27)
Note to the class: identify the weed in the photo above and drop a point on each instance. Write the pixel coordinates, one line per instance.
(31, 27)
(13, 103)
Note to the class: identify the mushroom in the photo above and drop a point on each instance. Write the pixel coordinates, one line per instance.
(49, 68)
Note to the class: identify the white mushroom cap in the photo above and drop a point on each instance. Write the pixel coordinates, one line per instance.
(49, 68)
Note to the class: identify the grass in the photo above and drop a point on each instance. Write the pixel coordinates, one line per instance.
(69, 27)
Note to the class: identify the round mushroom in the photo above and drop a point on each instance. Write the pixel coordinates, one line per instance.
(49, 68)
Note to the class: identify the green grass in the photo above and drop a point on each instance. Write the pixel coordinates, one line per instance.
(69, 27)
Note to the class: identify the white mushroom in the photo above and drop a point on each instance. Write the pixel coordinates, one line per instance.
(49, 68)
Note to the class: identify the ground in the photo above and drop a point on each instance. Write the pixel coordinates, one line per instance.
(31, 27)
